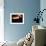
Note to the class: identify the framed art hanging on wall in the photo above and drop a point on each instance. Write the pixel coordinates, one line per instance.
(16, 18)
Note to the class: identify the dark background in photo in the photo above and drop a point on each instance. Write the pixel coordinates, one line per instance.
(17, 18)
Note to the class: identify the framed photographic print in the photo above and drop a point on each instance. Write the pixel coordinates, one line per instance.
(16, 18)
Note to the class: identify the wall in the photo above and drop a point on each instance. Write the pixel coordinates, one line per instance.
(29, 8)
(1, 21)
(43, 6)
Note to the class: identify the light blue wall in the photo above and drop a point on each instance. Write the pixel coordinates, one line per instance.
(29, 8)
(43, 6)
